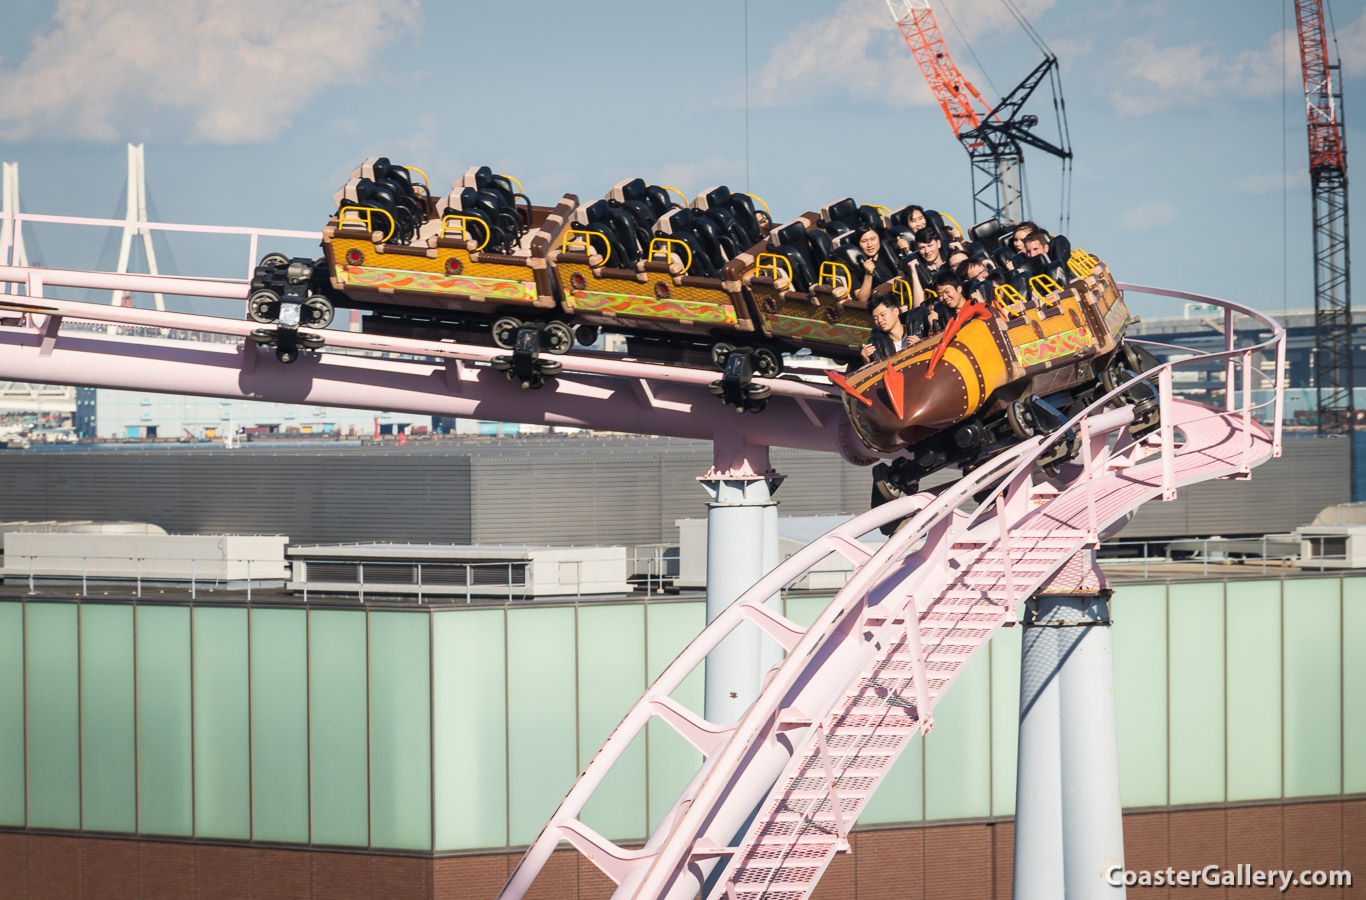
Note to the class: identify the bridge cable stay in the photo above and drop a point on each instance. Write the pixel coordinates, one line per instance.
(777, 793)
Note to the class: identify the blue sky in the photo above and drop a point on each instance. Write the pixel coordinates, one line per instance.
(1186, 118)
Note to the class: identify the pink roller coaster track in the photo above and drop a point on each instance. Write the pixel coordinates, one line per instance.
(777, 793)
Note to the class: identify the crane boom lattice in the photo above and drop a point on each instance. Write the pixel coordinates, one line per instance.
(1332, 260)
(994, 137)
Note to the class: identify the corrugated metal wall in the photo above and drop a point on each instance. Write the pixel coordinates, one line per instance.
(635, 497)
(1283, 493)
(323, 496)
(541, 491)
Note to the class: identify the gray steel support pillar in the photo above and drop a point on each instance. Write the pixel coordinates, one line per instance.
(1069, 834)
(742, 544)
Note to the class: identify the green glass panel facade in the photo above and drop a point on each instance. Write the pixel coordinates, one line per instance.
(1140, 647)
(139, 720)
(542, 744)
(1195, 712)
(803, 610)
(163, 688)
(611, 660)
(338, 719)
(222, 747)
(12, 714)
(108, 736)
(279, 725)
(958, 749)
(400, 730)
(669, 628)
(901, 796)
(1313, 686)
(1005, 718)
(54, 799)
(1354, 685)
(1253, 642)
(469, 729)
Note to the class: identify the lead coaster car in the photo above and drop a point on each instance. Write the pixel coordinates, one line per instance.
(1021, 370)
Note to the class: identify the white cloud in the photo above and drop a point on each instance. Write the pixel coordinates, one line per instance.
(224, 71)
(1189, 75)
(857, 53)
(1272, 182)
(1148, 216)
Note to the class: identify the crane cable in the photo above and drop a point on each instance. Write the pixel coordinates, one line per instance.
(1028, 28)
(973, 53)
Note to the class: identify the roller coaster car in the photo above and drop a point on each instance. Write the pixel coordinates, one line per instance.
(666, 273)
(1022, 370)
(802, 286)
(472, 262)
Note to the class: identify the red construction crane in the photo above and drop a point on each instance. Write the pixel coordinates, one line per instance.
(1332, 261)
(993, 137)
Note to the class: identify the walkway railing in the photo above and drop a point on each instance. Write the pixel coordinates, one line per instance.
(995, 521)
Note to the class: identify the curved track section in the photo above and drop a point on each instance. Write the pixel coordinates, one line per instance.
(58, 341)
(776, 794)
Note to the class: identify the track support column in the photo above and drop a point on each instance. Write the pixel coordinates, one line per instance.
(742, 544)
(1069, 834)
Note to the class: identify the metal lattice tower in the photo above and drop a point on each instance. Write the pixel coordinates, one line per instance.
(994, 138)
(1332, 260)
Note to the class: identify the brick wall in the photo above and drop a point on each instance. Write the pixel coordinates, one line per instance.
(944, 862)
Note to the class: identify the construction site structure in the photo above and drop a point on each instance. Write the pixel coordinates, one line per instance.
(1332, 259)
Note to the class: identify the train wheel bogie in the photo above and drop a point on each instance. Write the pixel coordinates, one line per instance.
(263, 307)
(558, 337)
(720, 352)
(1022, 421)
(768, 363)
(271, 260)
(318, 312)
(505, 332)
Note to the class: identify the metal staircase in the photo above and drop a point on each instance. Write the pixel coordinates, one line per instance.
(776, 794)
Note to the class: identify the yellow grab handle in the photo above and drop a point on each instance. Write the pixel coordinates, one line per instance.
(465, 232)
(904, 292)
(1082, 263)
(767, 265)
(365, 217)
(1011, 300)
(585, 243)
(830, 273)
(678, 192)
(660, 247)
(954, 222)
(761, 203)
(1044, 288)
(516, 182)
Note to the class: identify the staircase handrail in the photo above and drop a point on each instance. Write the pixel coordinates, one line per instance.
(1001, 472)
